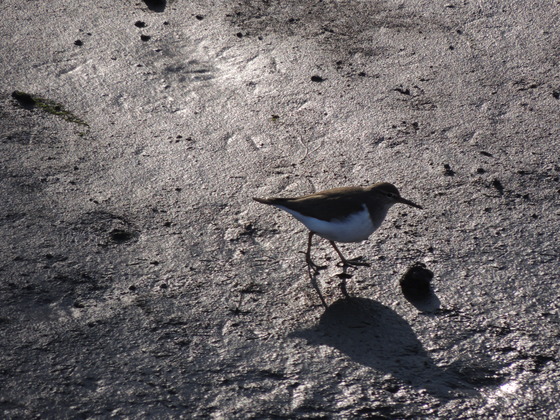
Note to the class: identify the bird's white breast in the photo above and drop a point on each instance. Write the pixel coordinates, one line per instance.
(355, 228)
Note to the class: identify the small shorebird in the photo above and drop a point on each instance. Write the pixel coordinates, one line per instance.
(348, 214)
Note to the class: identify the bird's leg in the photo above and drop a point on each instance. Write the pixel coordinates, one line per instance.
(354, 262)
(310, 263)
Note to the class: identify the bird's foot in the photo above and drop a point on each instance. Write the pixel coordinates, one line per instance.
(354, 262)
(311, 265)
(316, 268)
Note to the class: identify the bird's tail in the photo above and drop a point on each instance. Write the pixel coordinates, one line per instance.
(266, 200)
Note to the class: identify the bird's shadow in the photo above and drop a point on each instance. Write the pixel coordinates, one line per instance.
(374, 335)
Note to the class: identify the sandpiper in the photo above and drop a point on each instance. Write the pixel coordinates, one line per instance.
(348, 214)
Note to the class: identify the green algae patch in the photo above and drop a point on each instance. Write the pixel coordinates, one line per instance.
(28, 101)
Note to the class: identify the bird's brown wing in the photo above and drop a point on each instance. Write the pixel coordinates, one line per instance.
(327, 205)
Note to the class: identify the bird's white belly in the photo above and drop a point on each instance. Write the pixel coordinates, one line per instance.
(358, 227)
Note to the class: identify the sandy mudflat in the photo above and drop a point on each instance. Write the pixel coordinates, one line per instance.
(139, 279)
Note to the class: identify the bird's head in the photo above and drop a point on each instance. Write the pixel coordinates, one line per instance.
(390, 194)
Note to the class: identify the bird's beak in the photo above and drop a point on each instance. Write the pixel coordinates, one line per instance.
(408, 202)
